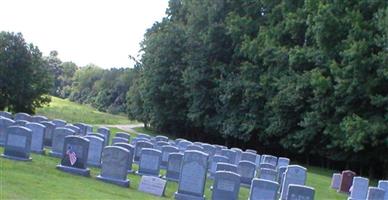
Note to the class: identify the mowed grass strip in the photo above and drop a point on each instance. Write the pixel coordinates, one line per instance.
(74, 112)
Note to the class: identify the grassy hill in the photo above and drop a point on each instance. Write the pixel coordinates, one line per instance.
(40, 179)
(74, 112)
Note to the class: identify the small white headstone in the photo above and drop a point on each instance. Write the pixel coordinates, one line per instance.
(152, 185)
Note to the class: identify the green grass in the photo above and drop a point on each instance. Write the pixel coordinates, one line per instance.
(74, 112)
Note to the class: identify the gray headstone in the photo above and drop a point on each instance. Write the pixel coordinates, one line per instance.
(238, 155)
(138, 147)
(119, 139)
(183, 144)
(294, 174)
(135, 140)
(39, 118)
(267, 166)
(299, 192)
(166, 150)
(248, 156)
(263, 190)
(114, 165)
(143, 135)
(174, 166)
(247, 172)
(158, 145)
(17, 143)
(149, 163)
(123, 135)
(20, 122)
(281, 172)
(37, 137)
(375, 193)
(251, 151)
(6, 114)
(4, 124)
(97, 135)
(283, 162)
(193, 176)
(383, 184)
(152, 185)
(160, 138)
(82, 128)
(269, 174)
(230, 154)
(75, 147)
(273, 160)
(131, 151)
(226, 186)
(89, 128)
(226, 167)
(195, 147)
(96, 145)
(213, 164)
(359, 188)
(258, 161)
(106, 132)
(77, 130)
(22, 116)
(59, 123)
(209, 149)
(59, 141)
(48, 133)
(335, 181)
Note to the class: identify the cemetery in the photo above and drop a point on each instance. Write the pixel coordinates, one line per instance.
(179, 169)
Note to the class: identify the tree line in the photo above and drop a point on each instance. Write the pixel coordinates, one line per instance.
(305, 79)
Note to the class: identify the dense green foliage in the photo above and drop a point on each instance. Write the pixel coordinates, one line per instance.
(302, 78)
(24, 78)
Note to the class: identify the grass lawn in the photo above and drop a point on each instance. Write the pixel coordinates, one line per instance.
(74, 112)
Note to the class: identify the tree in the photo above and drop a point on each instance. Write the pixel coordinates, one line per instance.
(24, 78)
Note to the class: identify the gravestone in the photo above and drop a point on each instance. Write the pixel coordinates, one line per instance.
(183, 144)
(267, 166)
(136, 139)
(193, 176)
(89, 128)
(263, 190)
(247, 172)
(213, 164)
(283, 162)
(138, 147)
(174, 166)
(118, 140)
(375, 193)
(226, 186)
(152, 185)
(346, 181)
(359, 188)
(218, 149)
(269, 174)
(251, 151)
(149, 163)
(96, 145)
(123, 135)
(248, 156)
(36, 137)
(59, 123)
(238, 155)
(230, 154)
(161, 138)
(131, 151)
(281, 174)
(22, 116)
(258, 161)
(75, 155)
(335, 181)
(4, 124)
(17, 143)
(6, 114)
(59, 141)
(166, 150)
(20, 122)
(143, 135)
(297, 192)
(82, 128)
(38, 118)
(48, 133)
(195, 147)
(76, 129)
(209, 150)
(294, 174)
(383, 184)
(160, 144)
(226, 167)
(273, 160)
(97, 135)
(106, 132)
(114, 165)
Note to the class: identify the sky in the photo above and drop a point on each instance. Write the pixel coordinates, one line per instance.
(102, 32)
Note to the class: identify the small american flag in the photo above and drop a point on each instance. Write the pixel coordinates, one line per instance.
(72, 156)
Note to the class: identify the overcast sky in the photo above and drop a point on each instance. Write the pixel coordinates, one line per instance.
(103, 32)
